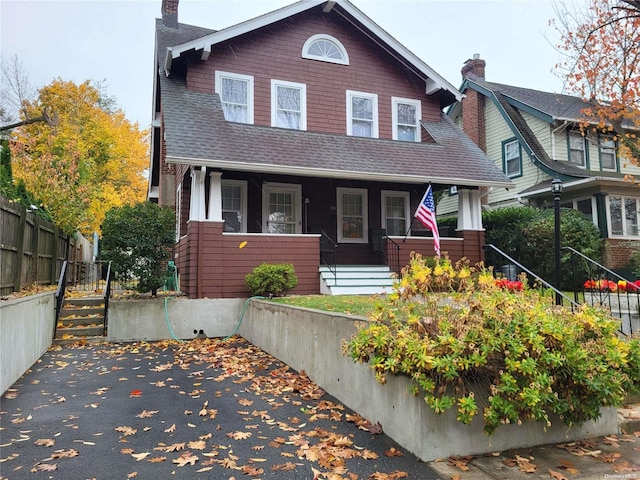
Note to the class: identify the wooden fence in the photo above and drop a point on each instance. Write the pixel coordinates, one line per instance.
(32, 250)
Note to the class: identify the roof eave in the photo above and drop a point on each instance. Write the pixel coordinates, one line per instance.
(336, 174)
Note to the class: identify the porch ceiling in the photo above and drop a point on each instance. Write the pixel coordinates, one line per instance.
(196, 133)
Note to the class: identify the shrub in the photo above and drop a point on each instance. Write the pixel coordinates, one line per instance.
(138, 240)
(508, 354)
(271, 280)
(504, 228)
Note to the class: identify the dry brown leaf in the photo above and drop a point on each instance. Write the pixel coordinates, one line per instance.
(369, 455)
(557, 475)
(610, 457)
(198, 445)
(126, 430)
(245, 402)
(65, 453)
(393, 452)
(239, 435)
(187, 458)
(171, 429)
(204, 469)
(140, 456)
(45, 442)
(147, 414)
(44, 467)
(127, 451)
(156, 459)
(132, 475)
(460, 462)
(252, 471)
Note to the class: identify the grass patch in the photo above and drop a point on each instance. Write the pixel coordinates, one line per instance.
(361, 305)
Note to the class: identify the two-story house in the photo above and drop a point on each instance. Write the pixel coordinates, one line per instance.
(307, 135)
(534, 137)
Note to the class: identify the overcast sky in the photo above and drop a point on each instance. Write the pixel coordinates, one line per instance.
(113, 41)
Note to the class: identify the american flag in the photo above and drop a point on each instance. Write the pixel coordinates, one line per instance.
(426, 213)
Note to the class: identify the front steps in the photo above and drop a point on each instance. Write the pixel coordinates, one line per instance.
(356, 280)
(81, 319)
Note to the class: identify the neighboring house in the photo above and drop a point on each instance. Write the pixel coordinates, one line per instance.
(278, 138)
(534, 137)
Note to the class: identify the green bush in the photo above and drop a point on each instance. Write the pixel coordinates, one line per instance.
(504, 228)
(508, 354)
(271, 280)
(138, 240)
(634, 258)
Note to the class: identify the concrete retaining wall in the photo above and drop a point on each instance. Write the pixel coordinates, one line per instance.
(26, 332)
(311, 340)
(133, 320)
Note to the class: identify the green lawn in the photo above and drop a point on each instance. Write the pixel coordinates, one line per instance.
(361, 305)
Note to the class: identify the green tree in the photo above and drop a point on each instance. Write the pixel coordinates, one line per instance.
(137, 239)
(90, 160)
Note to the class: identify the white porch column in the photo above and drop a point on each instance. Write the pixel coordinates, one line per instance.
(469, 210)
(197, 210)
(215, 197)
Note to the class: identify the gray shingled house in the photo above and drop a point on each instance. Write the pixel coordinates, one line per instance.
(534, 137)
(307, 135)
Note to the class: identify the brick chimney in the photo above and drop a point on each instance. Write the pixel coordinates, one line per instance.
(475, 66)
(170, 13)
(473, 103)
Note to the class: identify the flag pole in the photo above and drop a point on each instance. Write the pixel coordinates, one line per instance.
(404, 240)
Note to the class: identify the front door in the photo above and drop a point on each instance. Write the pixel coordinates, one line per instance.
(281, 208)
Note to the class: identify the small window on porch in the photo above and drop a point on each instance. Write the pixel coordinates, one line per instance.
(234, 205)
(352, 215)
(395, 212)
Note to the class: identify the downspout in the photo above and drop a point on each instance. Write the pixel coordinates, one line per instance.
(553, 138)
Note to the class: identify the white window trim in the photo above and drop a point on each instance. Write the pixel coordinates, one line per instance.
(624, 235)
(303, 101)
(329, 38)
(585, 147)
(517, 159)
(237, 76)
(594, 208)
(383, 211)
(178, 210)
(615, 153)
(243, 201)
(394, 115)
(365, 214)
(297, 200)
(374, 98)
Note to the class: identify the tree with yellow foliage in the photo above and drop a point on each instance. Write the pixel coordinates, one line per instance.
(90, 160)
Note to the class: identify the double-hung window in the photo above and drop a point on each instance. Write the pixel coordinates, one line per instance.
(405, 116)
(577, 150)
(395, 212)
(288, 105)
(352, 215)
(623, 214)
(512, 158)
(236, 95)
(234, 205)
(608, 153)
(362, 114)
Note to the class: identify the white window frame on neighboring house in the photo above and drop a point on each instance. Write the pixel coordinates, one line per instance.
(248, 79)
(293, 189)
(302, 88)
(385, 196)
(572, 147)
(395, 103)
(325, 48)
(629, 208)
(512, 153)
(607, 146)
(242, 210)
(573, 203)
(373, 121)
(364, 216)
(178, 210)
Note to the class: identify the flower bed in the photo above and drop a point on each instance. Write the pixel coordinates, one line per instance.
(610, 286)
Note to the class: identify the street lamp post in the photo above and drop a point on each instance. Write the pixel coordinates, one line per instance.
(556, 189)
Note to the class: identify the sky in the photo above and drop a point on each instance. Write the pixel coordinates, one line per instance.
(113, 41)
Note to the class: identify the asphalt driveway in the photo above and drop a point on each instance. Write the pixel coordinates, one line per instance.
(204, 409)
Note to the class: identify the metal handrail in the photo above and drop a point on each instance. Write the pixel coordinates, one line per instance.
(531, 274)
(60, 291)
(328, 248)
(392, 256)
(107, 294)
(603, 296)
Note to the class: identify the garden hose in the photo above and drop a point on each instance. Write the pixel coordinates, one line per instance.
(166, 316)
(244, 309)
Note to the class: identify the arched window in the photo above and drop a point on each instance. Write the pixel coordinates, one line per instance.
(326, 49)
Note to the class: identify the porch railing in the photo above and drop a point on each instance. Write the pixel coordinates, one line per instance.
(328, 254)
(107, 294)
(60, 291)
(392, 254)
(595, 284)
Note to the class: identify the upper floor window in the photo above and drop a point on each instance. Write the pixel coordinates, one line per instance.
(607, 149)
(405, 115)
(236, 95)
(362, 114)
(577, 150)
(288, 105)
(512, 158)
(326, 49)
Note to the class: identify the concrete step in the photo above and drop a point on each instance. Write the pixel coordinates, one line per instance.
(67, 322)
(90, 311)
(359, 290)
(79, 302)
(84, 339)
(80, 331)
(356, 279)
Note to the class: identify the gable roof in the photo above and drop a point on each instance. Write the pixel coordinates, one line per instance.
(434, 83)
(196, 133)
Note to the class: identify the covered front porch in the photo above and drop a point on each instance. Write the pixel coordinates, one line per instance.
(231, 221)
